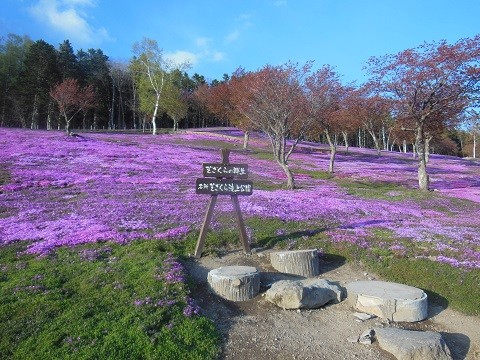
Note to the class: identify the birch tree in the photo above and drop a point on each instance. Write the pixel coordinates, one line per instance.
(151, 63)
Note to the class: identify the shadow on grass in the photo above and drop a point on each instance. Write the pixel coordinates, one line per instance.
(292, 237)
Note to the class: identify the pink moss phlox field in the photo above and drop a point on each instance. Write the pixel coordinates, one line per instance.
(61, 191)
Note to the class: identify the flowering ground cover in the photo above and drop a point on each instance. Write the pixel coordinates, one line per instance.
(58, 190)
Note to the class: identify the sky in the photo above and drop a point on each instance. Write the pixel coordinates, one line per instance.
(218, 36)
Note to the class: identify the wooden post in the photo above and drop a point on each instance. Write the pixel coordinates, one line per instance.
(241, 224)
(209, 214)
(206, 223)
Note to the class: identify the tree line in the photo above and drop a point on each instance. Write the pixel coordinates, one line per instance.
(48, 87)
(421, 100)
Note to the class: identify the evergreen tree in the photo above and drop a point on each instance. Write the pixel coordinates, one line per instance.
(12, 55)
(39, 75)
(94, 70)
(67, 61)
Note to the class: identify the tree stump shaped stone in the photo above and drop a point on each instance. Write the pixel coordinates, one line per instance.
(388, 300)
(297, 262)
(235, 283)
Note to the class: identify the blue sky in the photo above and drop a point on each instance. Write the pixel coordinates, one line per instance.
(218, 36)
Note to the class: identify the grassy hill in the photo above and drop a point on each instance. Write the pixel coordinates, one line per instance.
(87, 223)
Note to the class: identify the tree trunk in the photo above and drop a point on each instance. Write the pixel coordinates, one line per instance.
(235, 283)
(246, 138)
(405, 146)
(376, 142)
(34, 123)
(112, 110)
(154, 117)
(298, 262)
(474, 144)
(67, 123)
(423, 179)
(427, 148)
(278, 144)
(49, 115)
(333, 152)
(345, 140)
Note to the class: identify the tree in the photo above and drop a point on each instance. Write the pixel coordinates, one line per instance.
(155, 70)
(174, 103)
(71, 99)
(67, 61)
(472, 123)
(347, 114)
(39, 74)
(324, 94)
(273, 100)
(373, 111)
(95, 71)
(12, 55)
(430, 84)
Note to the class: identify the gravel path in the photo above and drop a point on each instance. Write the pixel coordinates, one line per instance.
(256, 329)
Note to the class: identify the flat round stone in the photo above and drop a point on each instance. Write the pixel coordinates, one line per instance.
(393, 301)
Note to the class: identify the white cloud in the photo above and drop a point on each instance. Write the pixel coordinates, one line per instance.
(217, 56)
(203, 41)
(182, 57)
(280, 3)
(205, 50)
(234, 35)
(68, 18)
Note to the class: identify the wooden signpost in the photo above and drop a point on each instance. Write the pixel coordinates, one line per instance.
(223, 179)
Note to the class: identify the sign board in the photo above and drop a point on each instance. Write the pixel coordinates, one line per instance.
(223, 186)
(223, 179)
(237, 171)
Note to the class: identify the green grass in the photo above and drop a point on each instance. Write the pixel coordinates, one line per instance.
(382, 190)
(444, 284)
(81, 304)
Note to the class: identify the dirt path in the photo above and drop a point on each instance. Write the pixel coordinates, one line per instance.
(256, 329)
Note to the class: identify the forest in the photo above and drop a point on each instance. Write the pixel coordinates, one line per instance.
(420, 100)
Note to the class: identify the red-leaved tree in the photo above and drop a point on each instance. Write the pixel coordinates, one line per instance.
(324, 94)
(431, 85)
(71, 99)
(273, 100)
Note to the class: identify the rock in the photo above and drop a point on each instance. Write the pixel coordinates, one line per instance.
(391, 301)
(352, 339)
(298, 262)
(413, 345)
(367, 337)
(363, 316)
(304, 294)
(236, 283)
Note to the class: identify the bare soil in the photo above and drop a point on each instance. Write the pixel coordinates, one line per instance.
(257, 329)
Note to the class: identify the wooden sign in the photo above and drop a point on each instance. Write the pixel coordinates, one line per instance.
(222, 179)
(223, 187)
(236, 171)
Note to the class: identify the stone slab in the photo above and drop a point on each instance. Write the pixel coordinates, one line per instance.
(412, 345)
(388, 300)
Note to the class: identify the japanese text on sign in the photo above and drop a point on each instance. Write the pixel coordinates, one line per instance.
(224, 187)
(239, 171)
